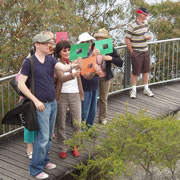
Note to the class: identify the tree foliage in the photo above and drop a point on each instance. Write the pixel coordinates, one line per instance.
(166, 20)
(22, 19)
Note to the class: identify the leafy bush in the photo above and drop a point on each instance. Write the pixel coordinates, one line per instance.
(126, 142)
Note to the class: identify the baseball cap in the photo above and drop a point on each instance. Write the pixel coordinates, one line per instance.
(142, 10)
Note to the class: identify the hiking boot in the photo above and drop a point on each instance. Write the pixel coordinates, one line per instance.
(42, 175)
(132, 94)
(50, 165)
(148, 92)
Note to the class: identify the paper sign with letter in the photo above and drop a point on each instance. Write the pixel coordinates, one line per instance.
(88, 65)
(61, 36)
(79, 50)
(105, 46)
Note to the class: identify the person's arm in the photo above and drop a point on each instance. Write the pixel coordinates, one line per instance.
(114, 58)
(63, 78)
(128, 43)
(63, 67)
(68, 67)
(24, 89)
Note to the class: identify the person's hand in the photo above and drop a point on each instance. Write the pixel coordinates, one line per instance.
(148, 37)
(95, 52)
(107, 58)
(39, 105)
(98, 70)
(77, 73)
(77, 64)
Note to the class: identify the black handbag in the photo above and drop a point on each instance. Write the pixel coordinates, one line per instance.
(29, 116)
(25, 113)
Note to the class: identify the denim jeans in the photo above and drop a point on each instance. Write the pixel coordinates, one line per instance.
(89, 106)
(42, 143)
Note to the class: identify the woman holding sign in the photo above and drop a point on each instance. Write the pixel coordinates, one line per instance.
(105, 61)
(90, 83)
(69, 93)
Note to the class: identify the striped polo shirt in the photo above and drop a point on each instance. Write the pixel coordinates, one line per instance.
(135, 32)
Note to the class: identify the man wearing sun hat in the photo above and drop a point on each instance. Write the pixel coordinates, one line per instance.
(44, 101)
(105, 62)
(136, 40)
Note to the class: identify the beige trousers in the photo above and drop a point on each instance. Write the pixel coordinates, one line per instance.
(104, 86)
(73, 102)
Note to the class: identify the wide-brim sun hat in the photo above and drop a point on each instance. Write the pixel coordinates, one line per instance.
(102, 33)
(85, 37)
(41, 38)
(142, 10)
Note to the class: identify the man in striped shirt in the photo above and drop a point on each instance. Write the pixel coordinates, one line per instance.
(136, 41)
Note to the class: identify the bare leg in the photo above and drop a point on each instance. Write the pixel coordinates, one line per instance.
(133, 79)
(29, 147)
(145, 78)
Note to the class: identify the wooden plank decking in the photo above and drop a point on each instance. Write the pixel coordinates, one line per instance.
(14, 164)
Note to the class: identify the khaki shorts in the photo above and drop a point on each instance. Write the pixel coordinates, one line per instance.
(140, 62)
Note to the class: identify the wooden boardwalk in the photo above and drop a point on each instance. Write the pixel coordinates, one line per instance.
(14, 164)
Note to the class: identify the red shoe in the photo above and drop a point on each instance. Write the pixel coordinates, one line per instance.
(63, 155)
(75, 152)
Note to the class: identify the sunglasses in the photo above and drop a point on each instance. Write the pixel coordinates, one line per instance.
(85, 41)
(44, 43)
(66, 50)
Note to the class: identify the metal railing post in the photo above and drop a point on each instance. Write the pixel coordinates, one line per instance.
(127, 69)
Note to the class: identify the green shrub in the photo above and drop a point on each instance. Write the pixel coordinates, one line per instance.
(129, 139)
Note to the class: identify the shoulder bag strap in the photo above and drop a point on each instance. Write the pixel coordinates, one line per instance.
(32, 74)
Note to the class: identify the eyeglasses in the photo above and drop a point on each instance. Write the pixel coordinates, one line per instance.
(45, 43)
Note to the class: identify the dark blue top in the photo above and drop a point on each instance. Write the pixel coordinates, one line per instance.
(90, 85)
(43, 75)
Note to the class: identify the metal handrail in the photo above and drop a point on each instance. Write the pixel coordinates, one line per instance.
(165, 58)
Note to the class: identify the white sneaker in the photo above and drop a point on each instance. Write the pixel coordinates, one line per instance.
(148, 92)
(42, 175)
(132, 94)
(50, 165)
(29, 155)
(104, 122)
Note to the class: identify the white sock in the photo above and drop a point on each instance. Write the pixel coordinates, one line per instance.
(134, 88)
(146, 86)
